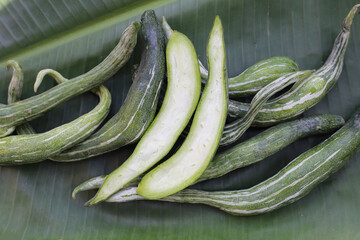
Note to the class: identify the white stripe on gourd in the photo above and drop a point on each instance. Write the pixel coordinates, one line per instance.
(234, 130)
(309, 92)
(139, 107)
(252, 150)
(291, 183)
(23, 149)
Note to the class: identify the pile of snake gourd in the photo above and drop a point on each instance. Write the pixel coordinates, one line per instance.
(192, 102)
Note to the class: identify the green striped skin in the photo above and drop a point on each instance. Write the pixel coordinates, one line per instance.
(253, 79)
(291, 183)
(259, 75)
(234, 130)
(181, 98)
(24, 149)
(252, 150)
(25, 128)
(28, 109)
(249, 82)
(14, 90)
(190, 161)
(269, 142)
(138, 110)
(306, 94)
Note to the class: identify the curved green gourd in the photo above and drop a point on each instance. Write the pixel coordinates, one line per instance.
(257, 76)
(252, 150)
(254, 78)
(139, 107)
(291, 183)
(307, 93)
(189, 162)
(24, 149)
(138, 110)
(28, 109)
(234, 130)
(181, 98)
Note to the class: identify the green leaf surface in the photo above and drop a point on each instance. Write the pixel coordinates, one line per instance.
(73, 36)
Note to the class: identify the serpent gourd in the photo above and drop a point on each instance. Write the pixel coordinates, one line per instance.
(30, 108)
(291, 183)
(24, 149)
(306, 93)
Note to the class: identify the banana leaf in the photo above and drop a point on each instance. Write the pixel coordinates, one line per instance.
(73, 36)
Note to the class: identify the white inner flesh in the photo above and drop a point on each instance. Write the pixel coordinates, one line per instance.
(199, 147)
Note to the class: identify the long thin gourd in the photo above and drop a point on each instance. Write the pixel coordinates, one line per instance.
(24, 149)
(291, 183)
(14, 91)
(254, 78)
(234, 130)
(138, 110)
(199, 147)
(252, 150)
(307, 93)
(181, 98)
(30, 108)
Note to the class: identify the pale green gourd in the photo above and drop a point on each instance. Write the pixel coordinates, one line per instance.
(189, 162)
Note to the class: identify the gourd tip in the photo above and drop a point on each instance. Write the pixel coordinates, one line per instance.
(136, 25)
(92, 201)
(349, 18)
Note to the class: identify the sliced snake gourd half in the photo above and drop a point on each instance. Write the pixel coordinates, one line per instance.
(191, 160)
